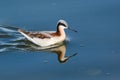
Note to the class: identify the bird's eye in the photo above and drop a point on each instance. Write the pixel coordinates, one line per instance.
(63, 24)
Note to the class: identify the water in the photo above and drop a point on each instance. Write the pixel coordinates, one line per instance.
(97, 42)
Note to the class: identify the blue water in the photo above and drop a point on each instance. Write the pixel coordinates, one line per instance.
(97, 42)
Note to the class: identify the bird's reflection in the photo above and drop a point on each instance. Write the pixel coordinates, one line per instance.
(61, 53)
(59, 49)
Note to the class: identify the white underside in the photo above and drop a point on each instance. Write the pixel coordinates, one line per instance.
(46, 41)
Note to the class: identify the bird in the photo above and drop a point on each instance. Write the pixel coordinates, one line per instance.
(47, 38)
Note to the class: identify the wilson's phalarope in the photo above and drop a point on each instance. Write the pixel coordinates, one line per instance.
(47, 38)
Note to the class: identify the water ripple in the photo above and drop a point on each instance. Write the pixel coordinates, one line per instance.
(3, 49)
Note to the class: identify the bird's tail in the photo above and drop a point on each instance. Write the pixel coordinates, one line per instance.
(21, 30)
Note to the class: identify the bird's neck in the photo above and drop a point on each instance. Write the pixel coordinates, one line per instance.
(61, 31)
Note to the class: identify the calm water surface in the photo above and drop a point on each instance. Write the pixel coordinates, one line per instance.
(97, 42)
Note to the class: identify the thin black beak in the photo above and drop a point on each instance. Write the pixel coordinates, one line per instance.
(72, 29)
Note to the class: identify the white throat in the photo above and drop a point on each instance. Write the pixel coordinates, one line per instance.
(63, 27)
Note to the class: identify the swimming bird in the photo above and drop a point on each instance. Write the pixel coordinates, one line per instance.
(47, 38)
